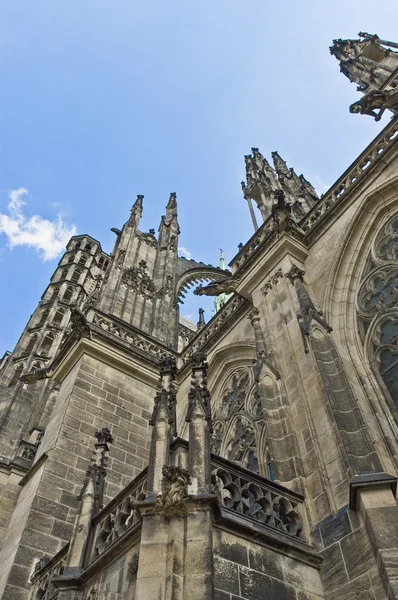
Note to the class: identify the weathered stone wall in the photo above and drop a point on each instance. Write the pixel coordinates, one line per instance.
(349, 569)
(92, 395)
(247, 571)
(117, 581)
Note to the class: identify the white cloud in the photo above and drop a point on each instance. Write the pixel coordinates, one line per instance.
(185, 252)
(46, 237)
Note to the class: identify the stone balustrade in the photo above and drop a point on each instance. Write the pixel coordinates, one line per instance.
(245, 494)
(118, 518)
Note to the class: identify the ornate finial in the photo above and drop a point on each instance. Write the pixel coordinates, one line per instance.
(96, 471)
(295, 273)
(104, 437)
(199, 395)
(254, 315)
(165, 397)
(201, 323)
(167, 365)
(172, 203)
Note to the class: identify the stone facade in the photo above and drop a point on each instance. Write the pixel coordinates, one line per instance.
(255, 457)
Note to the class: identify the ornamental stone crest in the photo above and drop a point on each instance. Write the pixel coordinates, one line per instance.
(137, 279)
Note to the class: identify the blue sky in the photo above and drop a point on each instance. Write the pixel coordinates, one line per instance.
(104, 100)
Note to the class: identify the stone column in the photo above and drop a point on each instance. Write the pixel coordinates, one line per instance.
(163, 421)
(373, 495)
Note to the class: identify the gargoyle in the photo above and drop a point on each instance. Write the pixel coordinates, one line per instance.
(380, 100)
(226, 286)
(37, 375)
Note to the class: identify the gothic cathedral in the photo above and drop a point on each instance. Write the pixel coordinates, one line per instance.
(254, 457)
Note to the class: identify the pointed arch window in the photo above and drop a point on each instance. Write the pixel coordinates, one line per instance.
(47, 344)
(236, 426)
(68, 294)
(76, 275)
(31, 344)
(43, 317)
(58, 317)
(377, 304)
(16, 375)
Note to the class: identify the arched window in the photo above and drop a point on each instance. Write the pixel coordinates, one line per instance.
(88, 247)
(63, 274)
(52, 293)
(235, 428)
(58, 317)
(77, 246)
(71, 258)
(82, 261)
(378, 306)
(76, 275)
(47, 344)
(31, 344)
(43, 317)
(67, 297)
(16, 375)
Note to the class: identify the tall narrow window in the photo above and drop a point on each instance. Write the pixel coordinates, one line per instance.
(16, 375)
(378, 305)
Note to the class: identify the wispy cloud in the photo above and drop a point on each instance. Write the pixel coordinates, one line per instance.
(46, 237)
(185, 252)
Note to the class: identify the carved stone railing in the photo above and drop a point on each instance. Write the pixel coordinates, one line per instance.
(249, 496)
(216, 324)
(352, 176)
(127, 334)
(118, 518)
(45, 569)
(263, 233)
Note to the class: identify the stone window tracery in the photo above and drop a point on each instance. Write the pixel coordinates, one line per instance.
(377, 305)
(236, 427)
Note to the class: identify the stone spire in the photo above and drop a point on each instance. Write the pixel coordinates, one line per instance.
(169, 228)
(136, 212)
(222, 298)
(368, 61)
(163, 422)
(91, 500)
(200, 425)
(263, 183)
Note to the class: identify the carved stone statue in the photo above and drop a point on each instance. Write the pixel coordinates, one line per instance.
(174, 491)
(381, 100)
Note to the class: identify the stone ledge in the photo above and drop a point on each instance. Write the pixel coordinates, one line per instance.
(370, 480)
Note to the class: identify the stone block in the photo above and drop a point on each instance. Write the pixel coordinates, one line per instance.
(357, 553)
(333, 570)
(332, 529)
(266, 561)
(255, 585)
(226, 576)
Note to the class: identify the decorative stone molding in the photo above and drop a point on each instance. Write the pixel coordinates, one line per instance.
(127, 335)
